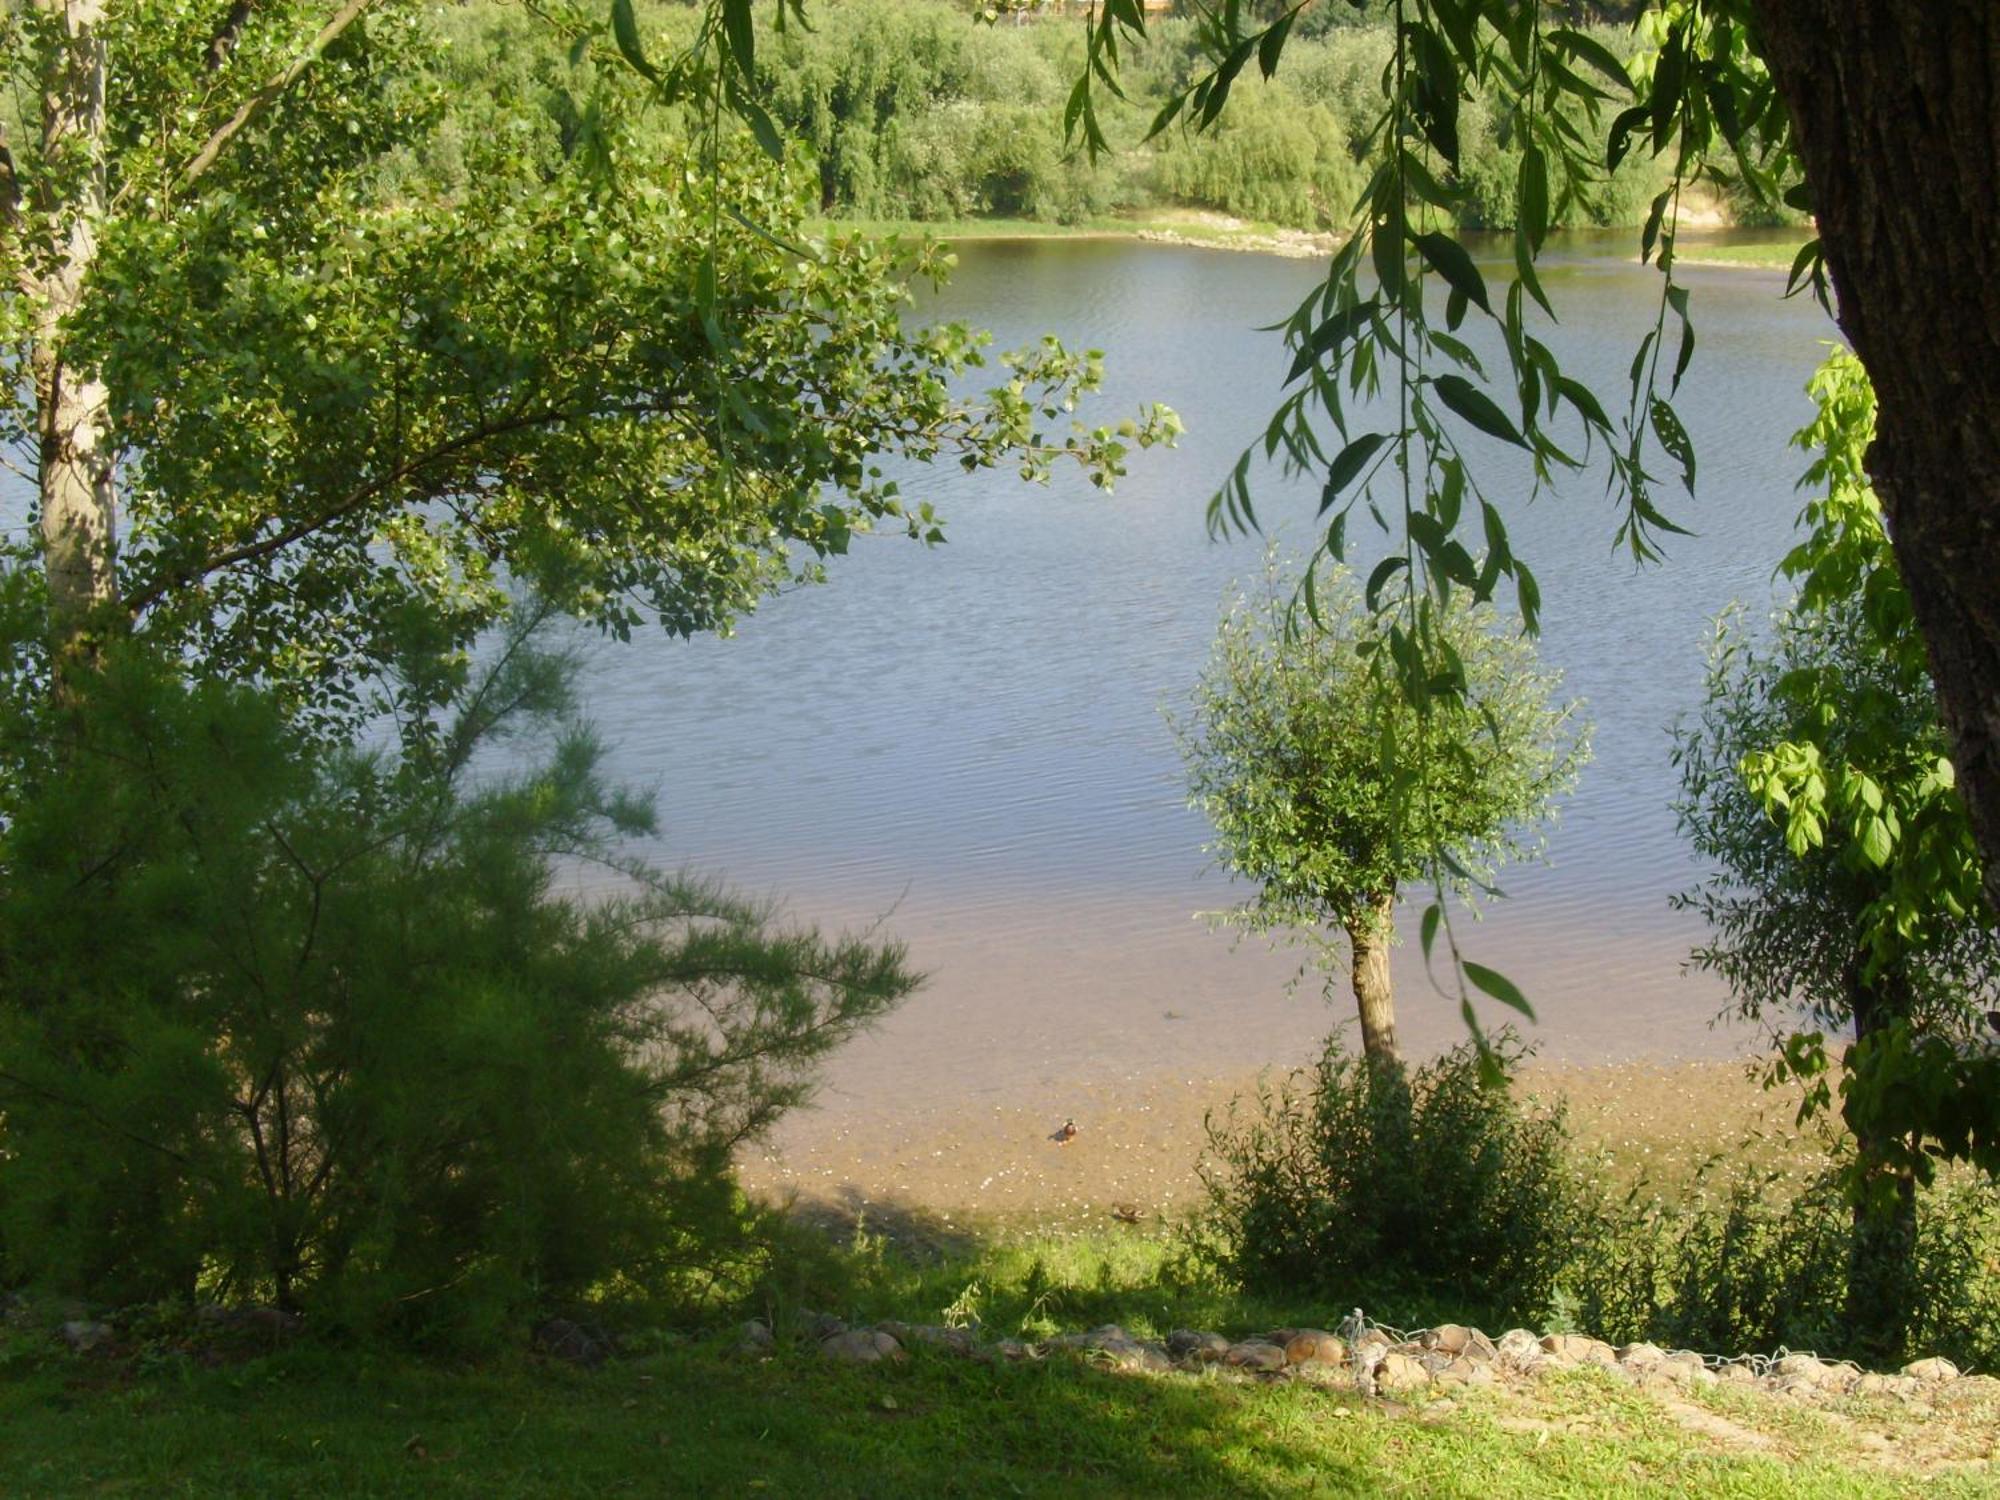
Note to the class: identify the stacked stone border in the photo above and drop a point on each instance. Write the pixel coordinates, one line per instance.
(1375, 1359)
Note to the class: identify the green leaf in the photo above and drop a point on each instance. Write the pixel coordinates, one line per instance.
(1427, 932)
(625, 30)
(1674, 438)
(1524, 271)
(1274, 44)
(1350, 462)
(1330, 335)
(1585, 401)
(1588, 49)
(1500, 987)
(1449, 259)
(1378, 580)
(1473, 404)
(1534, 195)
(1678, 297)
(742, 35)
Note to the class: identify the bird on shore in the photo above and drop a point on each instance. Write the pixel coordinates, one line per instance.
(1063, 1134)
(1127, 1213)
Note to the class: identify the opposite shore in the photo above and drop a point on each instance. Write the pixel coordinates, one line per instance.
(1708, 245)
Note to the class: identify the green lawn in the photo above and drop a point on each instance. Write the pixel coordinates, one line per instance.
(696, 1421)
(687, 1416)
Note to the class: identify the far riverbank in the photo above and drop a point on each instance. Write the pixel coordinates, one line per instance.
(1750, 250)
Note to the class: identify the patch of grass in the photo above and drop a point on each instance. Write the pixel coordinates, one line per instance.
(1776, 255)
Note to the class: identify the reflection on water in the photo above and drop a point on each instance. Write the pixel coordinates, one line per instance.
(971, 736)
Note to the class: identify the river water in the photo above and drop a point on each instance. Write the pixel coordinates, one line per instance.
(967, 745)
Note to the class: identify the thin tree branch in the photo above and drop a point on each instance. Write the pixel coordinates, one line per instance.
(222, 45)
(250, 551)
(272, 87)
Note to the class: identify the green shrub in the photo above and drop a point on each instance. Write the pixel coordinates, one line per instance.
(1362, 1181)
(1759, 1265)
(314, 1024)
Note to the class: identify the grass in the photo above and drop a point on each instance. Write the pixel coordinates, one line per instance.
(693, 1420)
(684, 1415)
(1776, 255)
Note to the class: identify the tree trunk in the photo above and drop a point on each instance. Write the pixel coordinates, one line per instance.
(1882, 1252)
(77, 499)
(1896, 109)
(1369, 935)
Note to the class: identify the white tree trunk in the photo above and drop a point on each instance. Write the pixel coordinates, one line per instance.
(76, 479)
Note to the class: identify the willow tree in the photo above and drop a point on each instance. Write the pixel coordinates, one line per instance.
(1879, 119)
(287, 404)
(1330, 794)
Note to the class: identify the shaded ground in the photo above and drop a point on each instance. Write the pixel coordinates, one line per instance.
(696, 1420)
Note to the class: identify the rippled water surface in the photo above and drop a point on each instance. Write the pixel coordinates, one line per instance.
(966, 742)
(969, 739)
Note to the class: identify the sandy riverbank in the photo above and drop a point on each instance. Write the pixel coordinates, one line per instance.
(1138, 1142)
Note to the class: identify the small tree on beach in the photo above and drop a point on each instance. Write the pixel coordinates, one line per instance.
(1309, 767)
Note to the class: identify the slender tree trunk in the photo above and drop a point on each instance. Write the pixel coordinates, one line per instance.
(1896, 108)
(1882, 1252)
(1369, 935)
(77, 497)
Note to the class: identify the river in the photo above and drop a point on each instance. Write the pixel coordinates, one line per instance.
(966, 743)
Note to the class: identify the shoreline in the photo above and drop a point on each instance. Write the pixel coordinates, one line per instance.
(1202, 230)
(1139, 1141)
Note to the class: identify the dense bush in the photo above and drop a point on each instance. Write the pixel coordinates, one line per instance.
(1362, 1181)
(315, 1025)
(1759, 1264)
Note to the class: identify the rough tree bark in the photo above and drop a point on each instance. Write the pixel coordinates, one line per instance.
(77, 495)
(1373, 997)
(1895, 106)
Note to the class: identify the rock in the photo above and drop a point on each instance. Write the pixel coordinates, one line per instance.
(1399, 1372)
(861, 1346)
(1803, 1366)
(1113, 1345)
(1013, 1350)
(756, 1341)
(1839, 1379)
(84, 1334)
(1736, 1374)
(819, 1327)
(935, 1336)
(1196, 1347)
(1456, 1339)
(1310, 1345)
(1465, 1370)
(1260, 1355)
(1371, 1338)
(1642, 1356)
(1575, 1349)
(1884, 1385)
(1518, 1347)
(1931, 1370)
(575, 1343)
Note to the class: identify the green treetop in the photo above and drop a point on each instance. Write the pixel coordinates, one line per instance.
(1330, 792)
